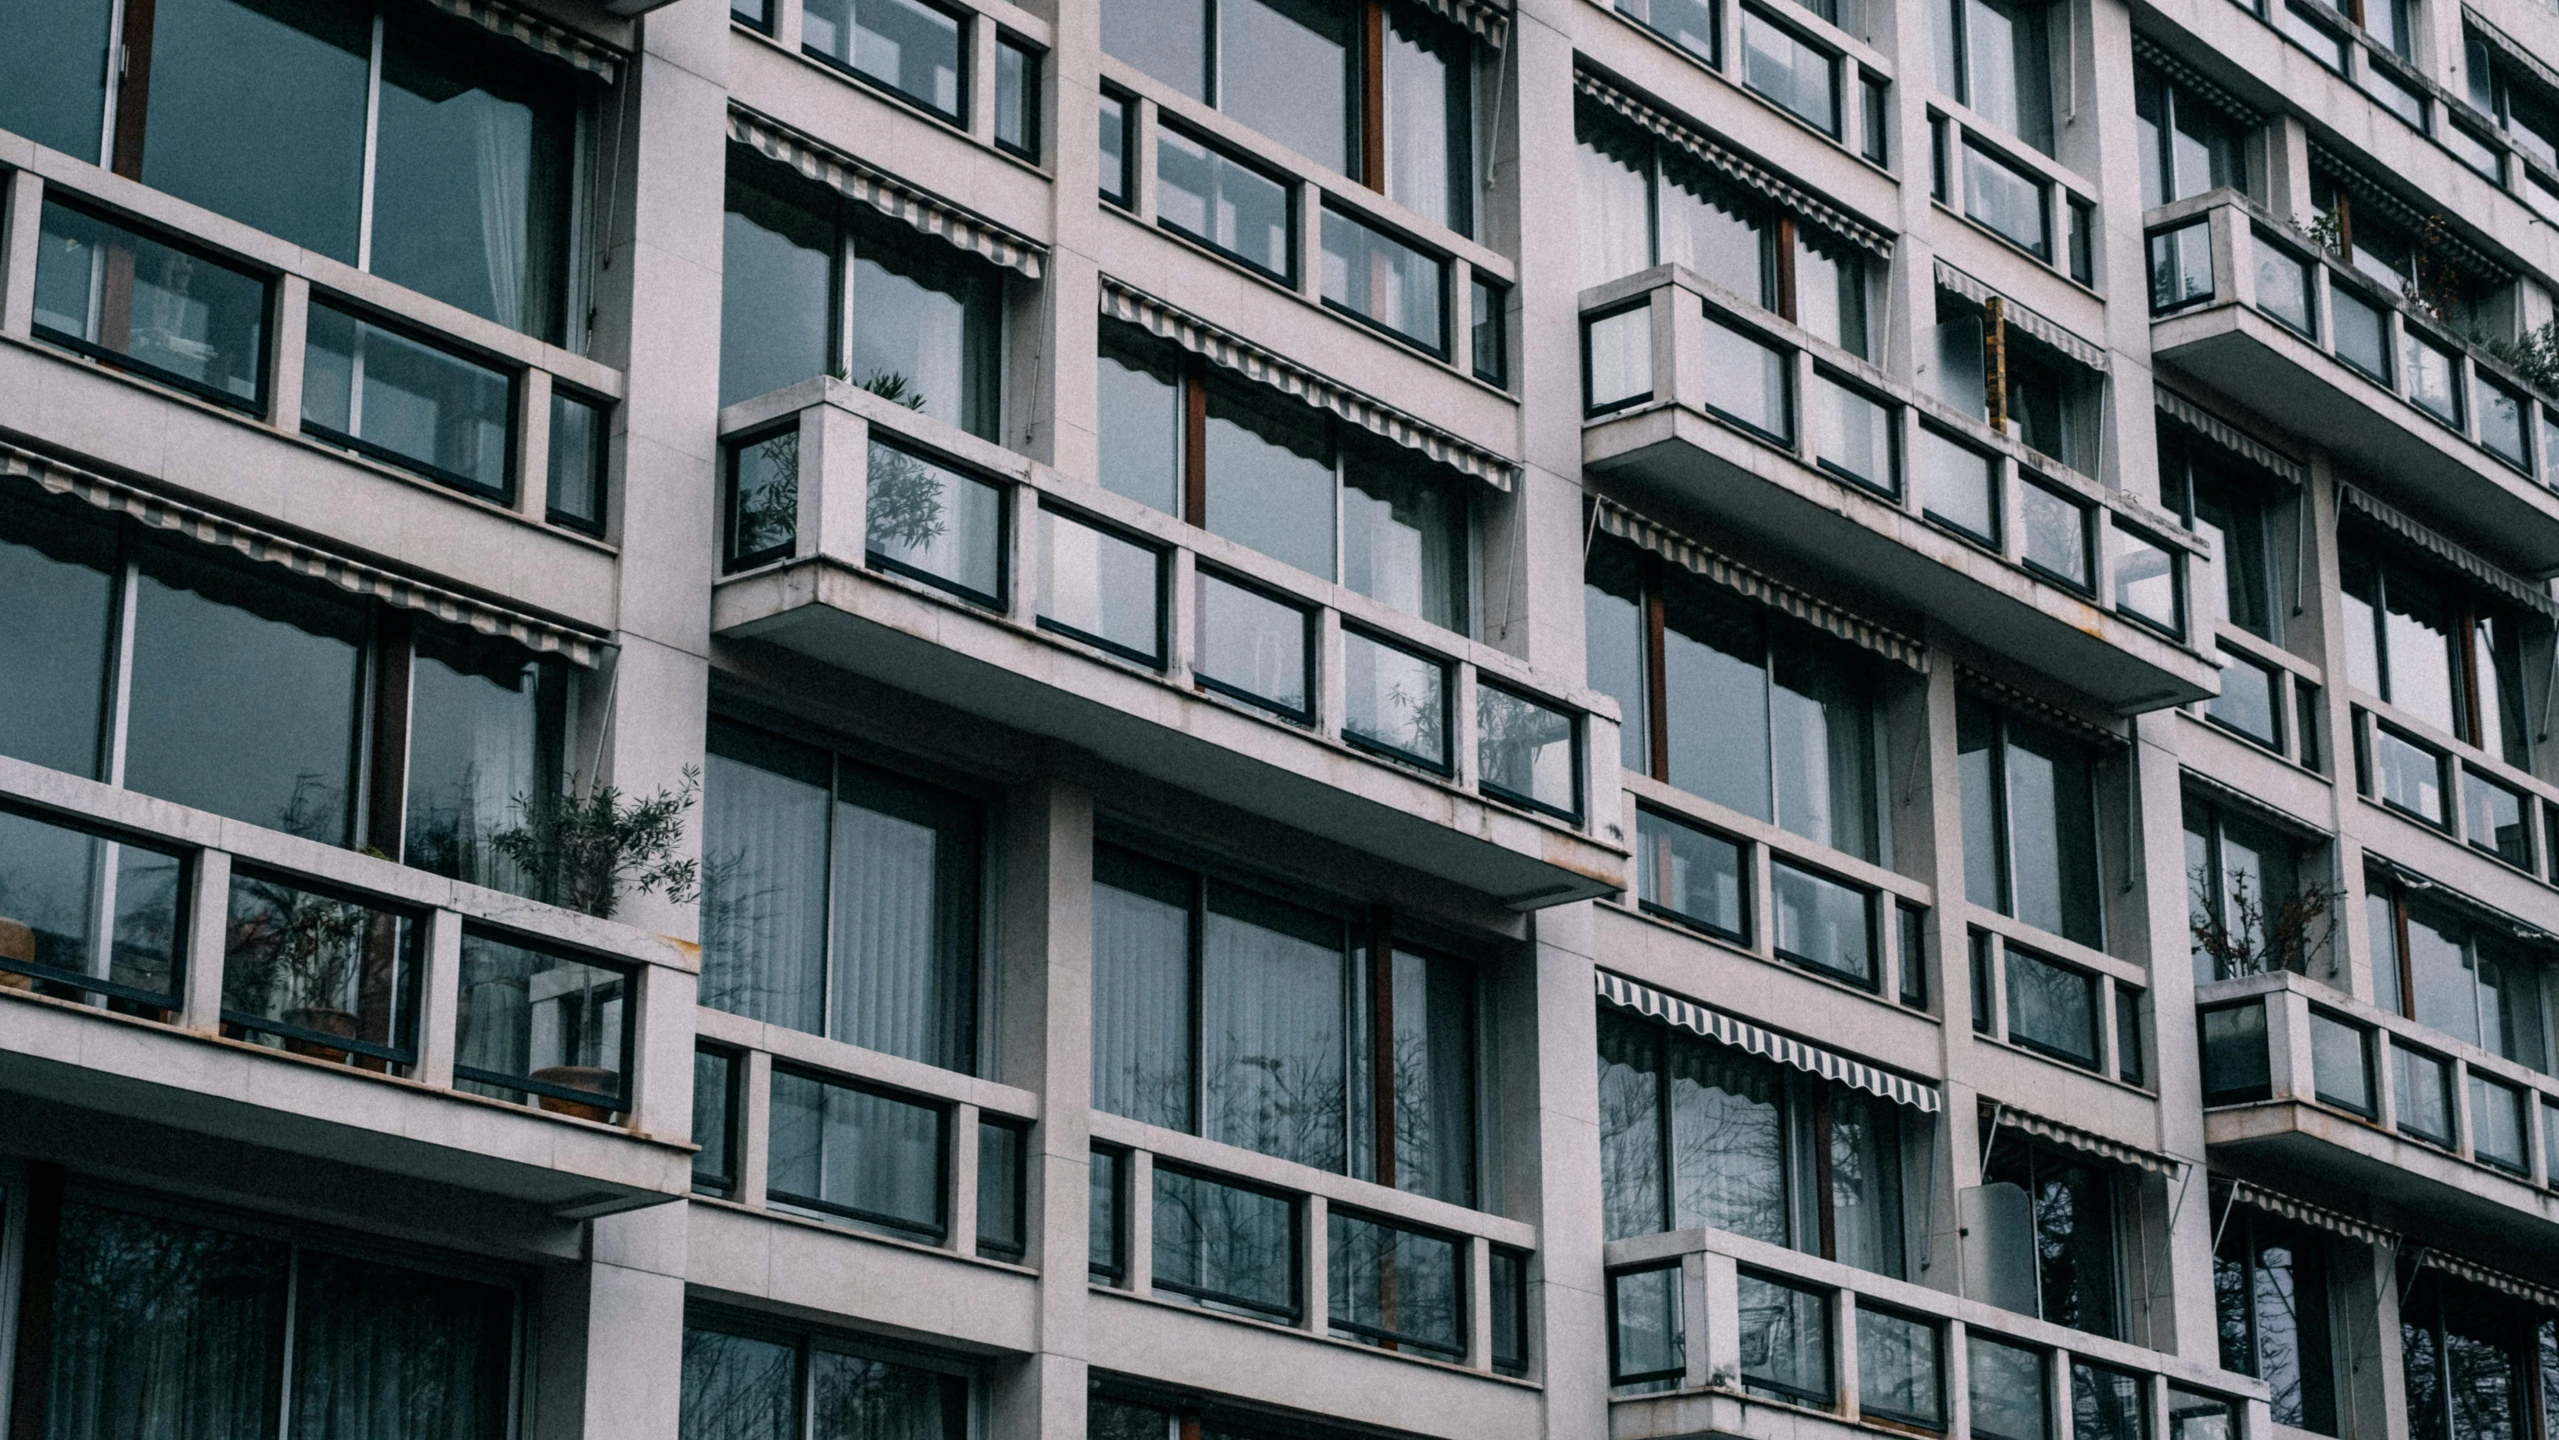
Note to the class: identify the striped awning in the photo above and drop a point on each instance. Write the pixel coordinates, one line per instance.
(2448, 551)
(2087, 1142)
(1749, 172)
(1615, 519)
(2152, 53)
(525, 28)
(2050, 332)
(1490, 23)
(2335, 1222)
(883, 192)
(2531, 1291)
(203, 526)
(1120, 301)
(2036, 708)
(1724, 1029)
(2228, 436)
(2350, 177)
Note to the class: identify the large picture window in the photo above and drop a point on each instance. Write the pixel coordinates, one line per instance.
(2188, 145)
(2270, 1289)
(2467, 1357)
(2469, 978)
(748, 1381)
(2436, 648)
(2029, 822)
(2243, 520)
(1996, 56)
(2252, 904)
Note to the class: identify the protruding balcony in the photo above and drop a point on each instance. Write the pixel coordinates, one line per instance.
(1732, 413)
(877, 541)
(179, 984)
(2249, 306)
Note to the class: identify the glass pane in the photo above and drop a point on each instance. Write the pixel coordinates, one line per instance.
(409, 403)
(1689, 24)
(1224, 1246)
(168, 313)
(2408, 775)
(1017, 99)
(2008, 200)
(1491, 364)
(160, 1321)
(1404, 534)
(2363, 336)
(535, 1022)
(1166, 40)
(1271, 476)
(1138, 387)
(1510, 1311)
(1222, 203)
(852, 1397)
(1634, 1197)
(1274, 1041)
(1753, 380)
(2237, 1067)
(2106, 1404)
(1428, 135)
(1823, 923)
(471, 181)
(926, 326)
(1620, 358)
(2502, 414)
(1102, 1217)
(2146, 580)
(2247, 702)
(2052, 833)
(1390, 1284)
(1718, 229)
(1394, 700)
(306, 971)
(2052, 1007)
(1689, 872)
(777, 283)
(578, 438)
(1614, 630)
(715, 1078)
(1251, 646)
(1715, 693)
(765, 810)
(1727, 1141)
(52, 75)
(2056, 534)
(909, 47)
(1795, 75)
(905, 891)
(2181, 267)
(384, 1351)
(257, 111)
(2341, 1063)
(1865, 1181)
(51, 881)
(1101, 588)
(2424, 1093)
(1914, 957)
(2007, 1390)
(58, 582)
(1525, 750)
(1286, 71)
(1106, 1418)
(1434, 1057)
(2497, 1124)
(2493, 817)
(735, 1388)
(1901, 1368)
(2008, 68)
(2509, 1001)
(2434, 378)
(2200, 1417)
(1141, 989)
(858, 1153)
(1785, 1341)
(487, 724)
(2283, 287)
(1114, 136)
(1852, 434)
(937, 523)
(999, 1190)
(1957, 485)
(1647, 1331)
(244, 694)
(1378, 277)
(1613, 185)
(1976, 771)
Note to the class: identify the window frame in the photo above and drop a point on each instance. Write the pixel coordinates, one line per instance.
(255, 405)
(1034, 95)
(509, 484)
(963, 68)
(1289, 189)
(808, 1342)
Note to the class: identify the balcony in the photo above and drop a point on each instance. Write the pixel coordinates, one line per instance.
(169, 978)
(1714, 1334)
(2247, 306)
(1732, 413)
(883, 543)
(2309, 1079)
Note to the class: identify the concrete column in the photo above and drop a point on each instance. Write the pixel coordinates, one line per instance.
(612, 1327)
(200, 999)
(1546, 1033)
(18, 253)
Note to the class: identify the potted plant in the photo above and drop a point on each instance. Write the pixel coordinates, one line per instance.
(581, 850)
(297, 956)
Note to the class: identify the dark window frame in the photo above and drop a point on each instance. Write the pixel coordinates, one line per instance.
(254, 405)
(1034, 95)
(896, 1226)
(965, 67)
(504, 492)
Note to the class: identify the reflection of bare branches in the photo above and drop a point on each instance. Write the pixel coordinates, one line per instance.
(744, 954)
(905, 501)
(1515, 733)
(1284, 1105)
(2250, 937)
(768, 506)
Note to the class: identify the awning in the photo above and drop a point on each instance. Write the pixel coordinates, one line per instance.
(1704, 147)
(1491, 23)
(2037, 708)
(2351, 178)
(1122, 302)
(2335, 1222)
(1615, 519)
(536, 33)
(2084, 1141)
(2477, 1274)
(2187, 76)
(2050, 332)
(1724, 1029)
(205, 527)
(890, 196)
(2448, 551)
(2228, 436)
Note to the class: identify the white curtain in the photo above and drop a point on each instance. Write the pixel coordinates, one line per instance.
(389, 1354)
(893, 981)
(1141, 991)
(1273, 1046)
(763, 894)
(505, 163)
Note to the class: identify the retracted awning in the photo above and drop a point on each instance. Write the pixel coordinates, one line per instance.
(2477, 1274)
(883, 192)
(2335, 1222)
(1725, 1029)
(2051, 332)
(2087, 1142)
(2228, 436)
(535, 33)
(2449, 551)
(1615, 519)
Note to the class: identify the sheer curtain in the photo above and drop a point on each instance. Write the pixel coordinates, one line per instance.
(1728, 1143)
(1434, 1077)
(854, 1398)
(1141, 989)
(764, 838)
(905, 920)
(503, 170)
(164, 1331)
(1865, 1181)
(736, 1388)
(1273, 1046)
(390, 1354)
(1615, 177)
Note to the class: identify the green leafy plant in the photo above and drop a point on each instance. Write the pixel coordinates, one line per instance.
(582, 851)
(2327, 230)
(2534, 356)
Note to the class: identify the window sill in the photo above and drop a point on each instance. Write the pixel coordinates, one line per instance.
(1301, 1332)
(850, 1230)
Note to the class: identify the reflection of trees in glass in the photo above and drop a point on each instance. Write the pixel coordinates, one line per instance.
(307, 959)
(1728, 1149)
(2256, 934)
(1514, 734)
(735, 1388)
(1630, 1173)
(1224, 1240)
(162, 1328)
(741, 926)
(853, 1398)
(905, 501)
(1290, 1106)
(768, 495)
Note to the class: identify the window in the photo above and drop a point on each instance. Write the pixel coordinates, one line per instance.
(65, 941)
(165, 1323)
(1528, 752)
(1696, 1133)
(2435, 648)
(2247, 705)
(2070, 1248)
(1225, 1246)
(1731, 703)
(2242, 518)
(1226, 204)
(814, 284)
(1901, 1368)
(909, 48)
(545, 1025)
(1102, 588)
(488, 731)
(2053, 1008)
(158, 310)
(1395, 701)
(1488, 351)
(1001, 1232)
(1381, 95)
(1758, 381)
(1384, 281)
(2007, 1389)
(859, 1153)
(1802, 78)
(1691, 875)
(579, 436)
(1510, 1311)
(2472, 981)
(1105, 1231)
(2251, 902)
(717, 1074)
(2467, 1356)
(1854, 434)
(2147, 581)
(755, 14)
(1689, 24)
(744, 1381)
(2434, 377)
(52, 79)
(2187, 146)
(1118, 129)
(1785, 1340)
(1914, 955)
(377, 391)
(2385, 241)
(931, 522)
(1958, 485)
(2053, 539)
(2012, 201)
(1396, 1287)
(1824, 924)
(459, 189)
(2029, 822)
(1997, 57)
(1877, 117)
(1252, 1021)
(1270, 473)
(1646, 202)
(1017, 98)
(2505, 416)
(2528, 114)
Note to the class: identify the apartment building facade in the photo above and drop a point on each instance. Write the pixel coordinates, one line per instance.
(1279, 718)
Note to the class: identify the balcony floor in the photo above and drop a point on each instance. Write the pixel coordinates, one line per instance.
(2417, 1181)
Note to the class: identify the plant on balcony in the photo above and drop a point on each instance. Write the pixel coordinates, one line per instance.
(2437, 287)
(2258, 937)
(301, 958)
(582, 851)
(906, 496)
(2327, 230)
(2534, 356)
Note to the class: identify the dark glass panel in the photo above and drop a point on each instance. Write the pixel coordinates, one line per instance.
(859, 1153)
(386, 1352)
(487, 726)
(164, 1328)
(1141, 989)
(905, 891)
(257, 111)
(777, 268)
(765, 814)
(57, 603)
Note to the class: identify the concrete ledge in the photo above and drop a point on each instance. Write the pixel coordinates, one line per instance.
(828, 1274)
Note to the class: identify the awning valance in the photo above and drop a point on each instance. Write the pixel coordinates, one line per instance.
(2335, 1222)
(890, 196)
(2214, 93)
(1122, 302)
(1615, 519)
(2087, 1142)
(2050, 332)
(2229, 437)
(2350, 177)
(2530, 1291)
(1760, 178)
(1724, 1029)
(525, 28)
(1490, 23)
(2036, 708)
(203, 526)
(2448, 551)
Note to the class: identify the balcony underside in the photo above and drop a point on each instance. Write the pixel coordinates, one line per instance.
(1868, 543)
(2423, 1188)
(2404, 457)
(78, 1077)
(854, 622)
